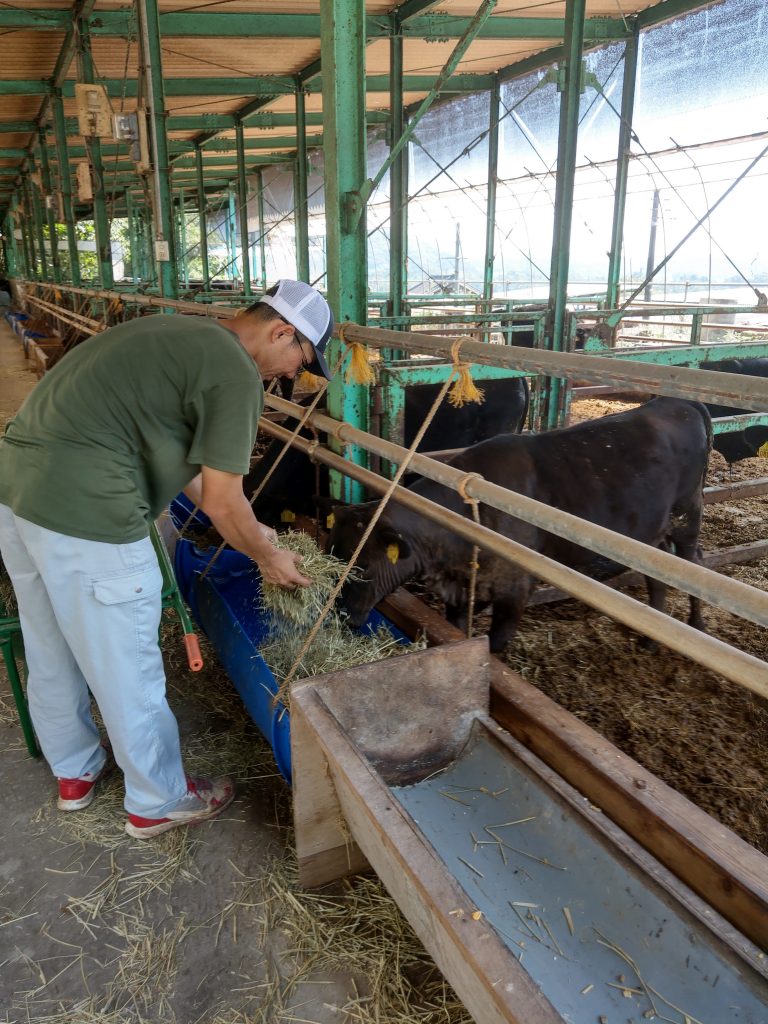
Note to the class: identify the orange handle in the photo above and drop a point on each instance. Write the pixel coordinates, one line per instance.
(194, 657)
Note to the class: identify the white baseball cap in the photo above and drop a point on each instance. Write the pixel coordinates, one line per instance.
(306, 309)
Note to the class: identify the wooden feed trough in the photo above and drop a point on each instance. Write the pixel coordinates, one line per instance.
(537, 908)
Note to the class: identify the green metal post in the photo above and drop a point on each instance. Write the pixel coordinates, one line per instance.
(50, 215)
(231, 270)
(65, 184)
(27, 231)
(622, 169)
(242, 199)
(37, 219)
(262, 231)
(201, 212)
(183, 263)
(342, 52)
(93, 146)
(300, 206)
(493, 178)
(133, 240)
(32, 236)
(165, 257)
(11, 252)
(569, 84)
(398, 180)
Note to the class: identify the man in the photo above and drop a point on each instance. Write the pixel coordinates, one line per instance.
(115, 430)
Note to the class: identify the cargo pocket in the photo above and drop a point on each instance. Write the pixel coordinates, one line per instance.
(134, 586)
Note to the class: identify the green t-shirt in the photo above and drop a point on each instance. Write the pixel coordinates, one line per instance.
(125, 421)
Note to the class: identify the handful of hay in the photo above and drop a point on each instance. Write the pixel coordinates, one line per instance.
(302, 606)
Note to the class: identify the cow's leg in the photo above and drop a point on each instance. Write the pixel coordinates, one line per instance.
(657, 594)
(686, 540)
(508, 609)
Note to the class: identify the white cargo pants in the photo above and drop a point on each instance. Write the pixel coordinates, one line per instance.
(90, 613)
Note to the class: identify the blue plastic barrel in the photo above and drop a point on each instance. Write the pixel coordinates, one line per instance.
(226, 605)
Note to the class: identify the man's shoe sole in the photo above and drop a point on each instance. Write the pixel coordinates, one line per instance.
(150, 831)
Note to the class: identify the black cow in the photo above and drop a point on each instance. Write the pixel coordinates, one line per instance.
(744, 443)
(639, 473)
(295, 485)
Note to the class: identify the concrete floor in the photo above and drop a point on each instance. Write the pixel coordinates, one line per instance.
(96, 928)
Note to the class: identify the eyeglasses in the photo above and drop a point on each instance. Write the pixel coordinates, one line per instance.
(305, 363)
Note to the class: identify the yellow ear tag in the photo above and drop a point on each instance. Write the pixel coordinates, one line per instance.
(286, 516)
(330, 520)
(393, 553)
(763, 450)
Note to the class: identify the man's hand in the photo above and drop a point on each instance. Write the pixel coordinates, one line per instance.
(281, 568)
(221, 497)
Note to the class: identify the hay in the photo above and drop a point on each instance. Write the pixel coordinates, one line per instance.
(8, 606)
(361, 931)
(334, 648)
(302, 606)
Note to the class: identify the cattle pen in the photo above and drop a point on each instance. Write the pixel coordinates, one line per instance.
(562, 205)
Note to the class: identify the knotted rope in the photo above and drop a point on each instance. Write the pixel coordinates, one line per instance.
(474, 564)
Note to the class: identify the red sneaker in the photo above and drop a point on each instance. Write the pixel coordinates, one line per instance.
(74, 794)
(205, 799)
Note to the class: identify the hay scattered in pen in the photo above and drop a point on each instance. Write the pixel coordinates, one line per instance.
(8, 606)
(302, 606)
(335, 647)
(359, 930)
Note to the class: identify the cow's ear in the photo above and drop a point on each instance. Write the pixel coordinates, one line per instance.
(394, 544)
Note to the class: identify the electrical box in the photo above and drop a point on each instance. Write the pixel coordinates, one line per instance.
(84, 183)
(94, 113)
(131, 126)
(162, 250)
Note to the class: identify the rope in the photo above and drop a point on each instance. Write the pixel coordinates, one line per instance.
(284, 689)
(359, 370)
(474, 563)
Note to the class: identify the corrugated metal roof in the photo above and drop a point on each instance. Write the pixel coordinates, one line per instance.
(31, 55)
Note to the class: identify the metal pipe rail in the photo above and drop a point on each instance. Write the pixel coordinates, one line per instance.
(68, 316)
(745, 392)
(719, 657)
(721, 591)
(750, 393)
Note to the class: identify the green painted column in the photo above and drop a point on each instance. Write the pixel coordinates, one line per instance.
(231, 268)
(133, 240)
(570, 88)
(622, 169)
(493, 179)
(300, 204)
(342, 34)
(398, 180)
(28, 229)
(242, 204)
(93, 148)
(164, 240)
(262, 232)
(37, 219)
(65, 184)
(182, 250)
(50, 215)
(201, 213)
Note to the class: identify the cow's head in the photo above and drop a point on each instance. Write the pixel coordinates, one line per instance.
(386, 561)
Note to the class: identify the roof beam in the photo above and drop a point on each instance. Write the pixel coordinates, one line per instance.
(414, 23)
(268, 85)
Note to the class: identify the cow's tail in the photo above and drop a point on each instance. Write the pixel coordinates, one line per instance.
(704, 413)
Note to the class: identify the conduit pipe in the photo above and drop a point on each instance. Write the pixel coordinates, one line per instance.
(719, 657)
(737, 389)
(721, 591)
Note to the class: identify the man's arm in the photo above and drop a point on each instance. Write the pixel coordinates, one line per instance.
(220, 496)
